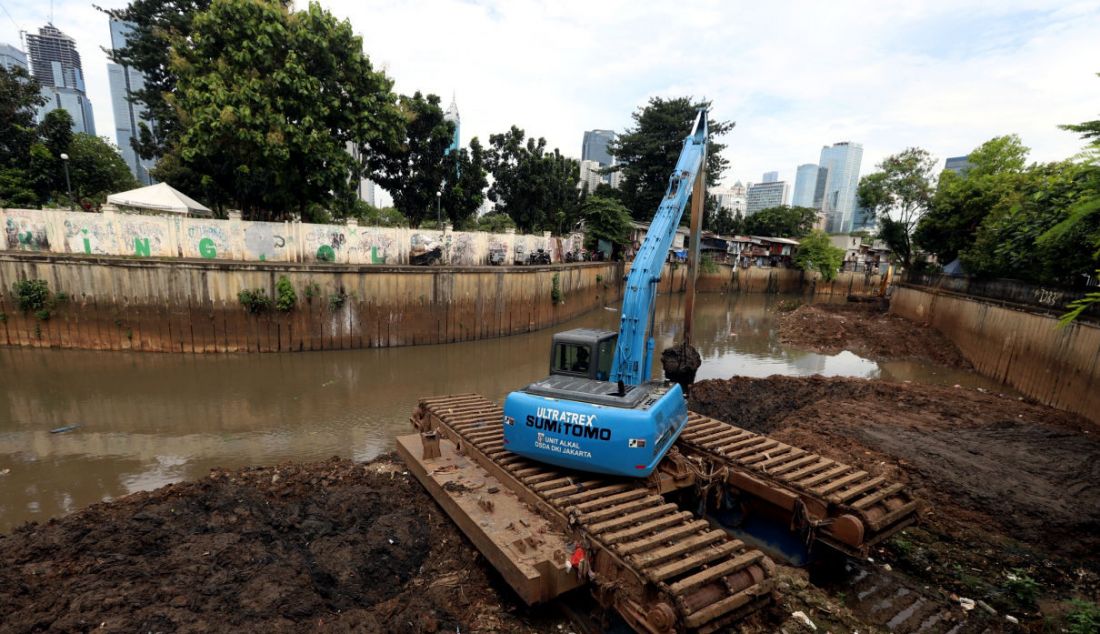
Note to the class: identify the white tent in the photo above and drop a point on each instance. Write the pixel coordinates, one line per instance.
(159, 197)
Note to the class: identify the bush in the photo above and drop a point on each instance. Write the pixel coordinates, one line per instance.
(337, 301)
(313, 289)
(555, 290)
(707, 264)
(255, 300)
(286, 298)
(31, 295)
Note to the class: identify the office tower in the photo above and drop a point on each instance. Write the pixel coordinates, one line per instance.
(958, 164)
(55, 63)
(452, 116)
(11, 57)
(590, 175)
(764, 195)
(838, 201)
(594, 147)
(129, 116)
(805, 183)
(771, 177)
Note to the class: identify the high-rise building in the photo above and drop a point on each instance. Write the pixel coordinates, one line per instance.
(55, 63)
(805, 183)
(731, 199)
(590, 175)
(129, 116)
(958, 164)
(452, 116)
(838, 201)
(771, 177)
(11, 57)
(594, 149)
(764, 195)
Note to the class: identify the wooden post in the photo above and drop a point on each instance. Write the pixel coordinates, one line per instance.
(698, 200)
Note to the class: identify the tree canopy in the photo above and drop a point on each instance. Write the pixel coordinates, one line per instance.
(647, 152)
(269, 101)
(899, 194)
(605, 219)
(96, 169)
(963, 200)
(780, 222)
(537, 188)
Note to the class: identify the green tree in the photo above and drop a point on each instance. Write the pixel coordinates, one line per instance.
(963, 200)
(97, 170)
(1086, 211)
(19, 97)
(414, 167)
(156, 23)
(464, 184)
(1008, 244)
(605, 219)
(781, 222)
(269, 100)
(536, 188)
(900, 191)
(817, 253)
(648, 151)
(494, 223)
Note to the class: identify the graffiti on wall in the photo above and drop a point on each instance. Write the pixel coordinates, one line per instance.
(325, 244)
(264, 241)
(209, 240)
(22, 233)
(146, 237)
(375, 246)
(88, 235)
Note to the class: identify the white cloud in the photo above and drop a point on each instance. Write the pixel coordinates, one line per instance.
(793, 75)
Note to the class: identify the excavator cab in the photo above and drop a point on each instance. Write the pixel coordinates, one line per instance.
(583, 352)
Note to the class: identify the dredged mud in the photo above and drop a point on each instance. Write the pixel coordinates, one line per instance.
(866, 329)
(331, 546)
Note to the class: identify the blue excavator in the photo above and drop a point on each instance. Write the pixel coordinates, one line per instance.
(600, 410)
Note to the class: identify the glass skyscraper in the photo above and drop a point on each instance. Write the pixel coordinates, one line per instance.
(10, 57)
(128, 115)
(842, 160)
(594, 147)
(805, 182)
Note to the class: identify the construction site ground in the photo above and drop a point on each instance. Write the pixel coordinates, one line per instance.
(1010, 521)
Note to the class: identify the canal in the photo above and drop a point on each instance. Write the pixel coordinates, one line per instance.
(146, 420)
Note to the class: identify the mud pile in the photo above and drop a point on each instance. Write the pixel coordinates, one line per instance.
(680, 363)
(867, 330)
(334, 546)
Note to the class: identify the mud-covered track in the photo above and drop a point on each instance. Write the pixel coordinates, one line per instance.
(663, 569)
(854, 508)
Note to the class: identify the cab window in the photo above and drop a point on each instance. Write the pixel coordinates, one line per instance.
(572, 358)
(605, 356)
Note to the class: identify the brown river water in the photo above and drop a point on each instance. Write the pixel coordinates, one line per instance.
(146, 420)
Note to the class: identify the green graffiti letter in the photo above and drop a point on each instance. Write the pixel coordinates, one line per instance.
(325, 253)
(374, 256)
(87, 246)
(141, 246)
(206, 248)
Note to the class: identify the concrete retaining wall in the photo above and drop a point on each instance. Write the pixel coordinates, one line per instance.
(192, 305)
(1022, 348)
(734, 279)
(132, 235)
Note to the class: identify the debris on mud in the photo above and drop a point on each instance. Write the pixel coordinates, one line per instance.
(867, 330)
(1012, 510)
(332, 546)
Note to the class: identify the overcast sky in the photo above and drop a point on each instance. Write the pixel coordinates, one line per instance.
(793, 75)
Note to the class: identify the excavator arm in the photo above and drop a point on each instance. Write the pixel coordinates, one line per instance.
(634, 351)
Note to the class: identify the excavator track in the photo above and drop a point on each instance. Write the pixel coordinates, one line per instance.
(661, 568)
(842, 506)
